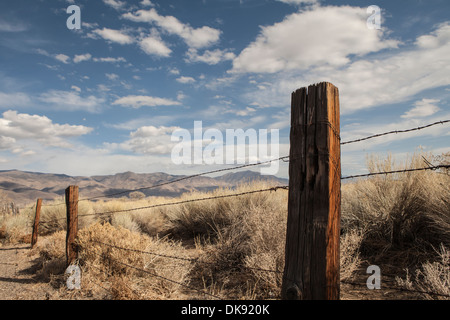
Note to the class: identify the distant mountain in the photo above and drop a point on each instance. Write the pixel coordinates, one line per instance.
(25, 187)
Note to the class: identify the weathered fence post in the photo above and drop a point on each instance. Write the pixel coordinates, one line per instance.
(37, 216)
(72, 223)
(312, 240)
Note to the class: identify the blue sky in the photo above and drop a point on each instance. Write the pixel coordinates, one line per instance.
(106, 98)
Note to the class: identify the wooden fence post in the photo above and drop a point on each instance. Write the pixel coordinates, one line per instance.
(37, 216)
(72, 223)
(314, 208)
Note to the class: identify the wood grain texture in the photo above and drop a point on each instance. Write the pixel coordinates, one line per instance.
(312, 240)
(34, 236)
(72, 224)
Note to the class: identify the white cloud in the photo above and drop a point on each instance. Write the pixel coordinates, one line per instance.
(62, 57)
(11, 100)
(116, 4)
(209, 57)
(77, 89)
(316, 37)
(82, 57)
(150, 140)
(298, 2)
(110, 59)
(155, 46)
(174, 71)
(195, 38)
(112, 35)
(6, 26)
(147, 3)
(185, 80)
(144, 101)
(16, 127)
(112, 76)
(71, 101)
(391, 77)
(423, 108)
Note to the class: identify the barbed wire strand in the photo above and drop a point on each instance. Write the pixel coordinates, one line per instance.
(397, 171)
(263, 270)
(396, 132)
(400, 289)
(185, 178)
(247, 165)
(174, 181)
(108, 273)
(187, 201)
(157, 276)
(195, 260)
(248, 192)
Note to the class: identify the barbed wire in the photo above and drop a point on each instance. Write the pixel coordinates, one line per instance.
(185, 178)
(400, 289)
(396, 132)
(195, 260)
(187, 201)
(264, 270)
(157, 276)
(396, 171)
(243, 166)
(247, 193)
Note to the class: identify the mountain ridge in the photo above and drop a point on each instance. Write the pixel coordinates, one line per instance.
(24, 187)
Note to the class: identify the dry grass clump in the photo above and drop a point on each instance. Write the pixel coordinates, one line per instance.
(52, 263)
(245, 234)
(16, 229)
(119, 272)
(54, 216)
(400, 215)
(350, 259)
(433, 277)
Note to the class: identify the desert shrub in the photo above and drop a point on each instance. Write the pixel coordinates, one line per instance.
(402, 212)
(16, 228)
(54, 216)
(432, 277)
(119, 271)
(250, 239)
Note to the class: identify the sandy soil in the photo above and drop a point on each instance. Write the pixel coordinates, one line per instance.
(18, 279)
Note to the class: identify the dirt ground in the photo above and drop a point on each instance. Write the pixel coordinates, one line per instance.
(19, 280)
(18, 275)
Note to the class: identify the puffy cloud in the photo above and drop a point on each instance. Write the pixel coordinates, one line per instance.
(150, 140)
(71, 101)
(82, 57)
(195, 38)
(112, 35)
(209, 57)
(319, 36)
(62, 57)
(15, 127)
(423, 108)
(391, 77)
(185, 80)
(155, 46)
(144, 101)
(116, 4)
